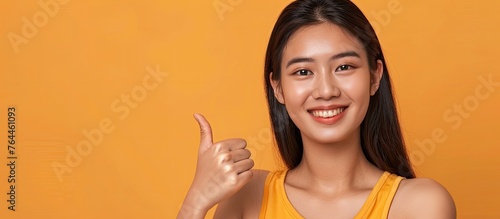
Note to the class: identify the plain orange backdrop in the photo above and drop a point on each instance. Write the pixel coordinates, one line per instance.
(130, 74)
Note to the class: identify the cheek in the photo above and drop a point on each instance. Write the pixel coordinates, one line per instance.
(295, 92)
(357, 88)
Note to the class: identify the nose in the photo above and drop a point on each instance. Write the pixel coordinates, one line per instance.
(325, 86)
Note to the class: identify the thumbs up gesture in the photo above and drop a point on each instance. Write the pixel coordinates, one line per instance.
(223, 168)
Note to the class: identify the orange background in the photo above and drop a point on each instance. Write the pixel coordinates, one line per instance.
(76, 69)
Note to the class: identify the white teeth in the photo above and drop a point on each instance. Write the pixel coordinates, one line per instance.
(327, 113)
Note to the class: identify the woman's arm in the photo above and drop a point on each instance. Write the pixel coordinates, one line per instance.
(222, 169)
(247, 201)
(192, 207)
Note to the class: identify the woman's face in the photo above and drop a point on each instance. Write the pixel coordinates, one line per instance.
(326, 82)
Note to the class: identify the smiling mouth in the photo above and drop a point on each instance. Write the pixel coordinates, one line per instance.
(327, 113)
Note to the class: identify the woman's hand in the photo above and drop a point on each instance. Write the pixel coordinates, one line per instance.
(223, 168)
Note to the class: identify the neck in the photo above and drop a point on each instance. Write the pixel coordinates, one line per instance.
(336, 166)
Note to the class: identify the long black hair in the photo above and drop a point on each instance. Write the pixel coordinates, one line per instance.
(381, 139)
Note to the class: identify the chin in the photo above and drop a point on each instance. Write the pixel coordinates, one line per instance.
(327, 137)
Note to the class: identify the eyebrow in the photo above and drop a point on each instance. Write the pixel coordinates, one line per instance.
(336, 56)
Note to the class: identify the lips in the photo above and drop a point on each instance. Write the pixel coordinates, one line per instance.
(326, 111)
(327, 115)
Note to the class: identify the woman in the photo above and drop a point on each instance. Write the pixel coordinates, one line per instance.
(336, 127)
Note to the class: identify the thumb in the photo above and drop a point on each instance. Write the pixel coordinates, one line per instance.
(205, 132)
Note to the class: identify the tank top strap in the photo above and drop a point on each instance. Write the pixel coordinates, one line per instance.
(379, 201)
(275, 203)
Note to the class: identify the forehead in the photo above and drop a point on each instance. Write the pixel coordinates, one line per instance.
(321, 39)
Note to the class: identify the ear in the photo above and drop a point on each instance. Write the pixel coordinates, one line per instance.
(278, 93)
(376, 77)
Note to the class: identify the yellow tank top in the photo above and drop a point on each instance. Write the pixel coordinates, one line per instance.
(275, 203)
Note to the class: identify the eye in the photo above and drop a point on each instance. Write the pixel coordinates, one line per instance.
(344, 68)
(303, 72)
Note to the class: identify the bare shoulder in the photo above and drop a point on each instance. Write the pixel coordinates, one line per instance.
(246, 202)
(422, 198)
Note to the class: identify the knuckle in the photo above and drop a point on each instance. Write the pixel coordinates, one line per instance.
(225, 157)
(228, 168)
(218, 147)
(232, 180)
